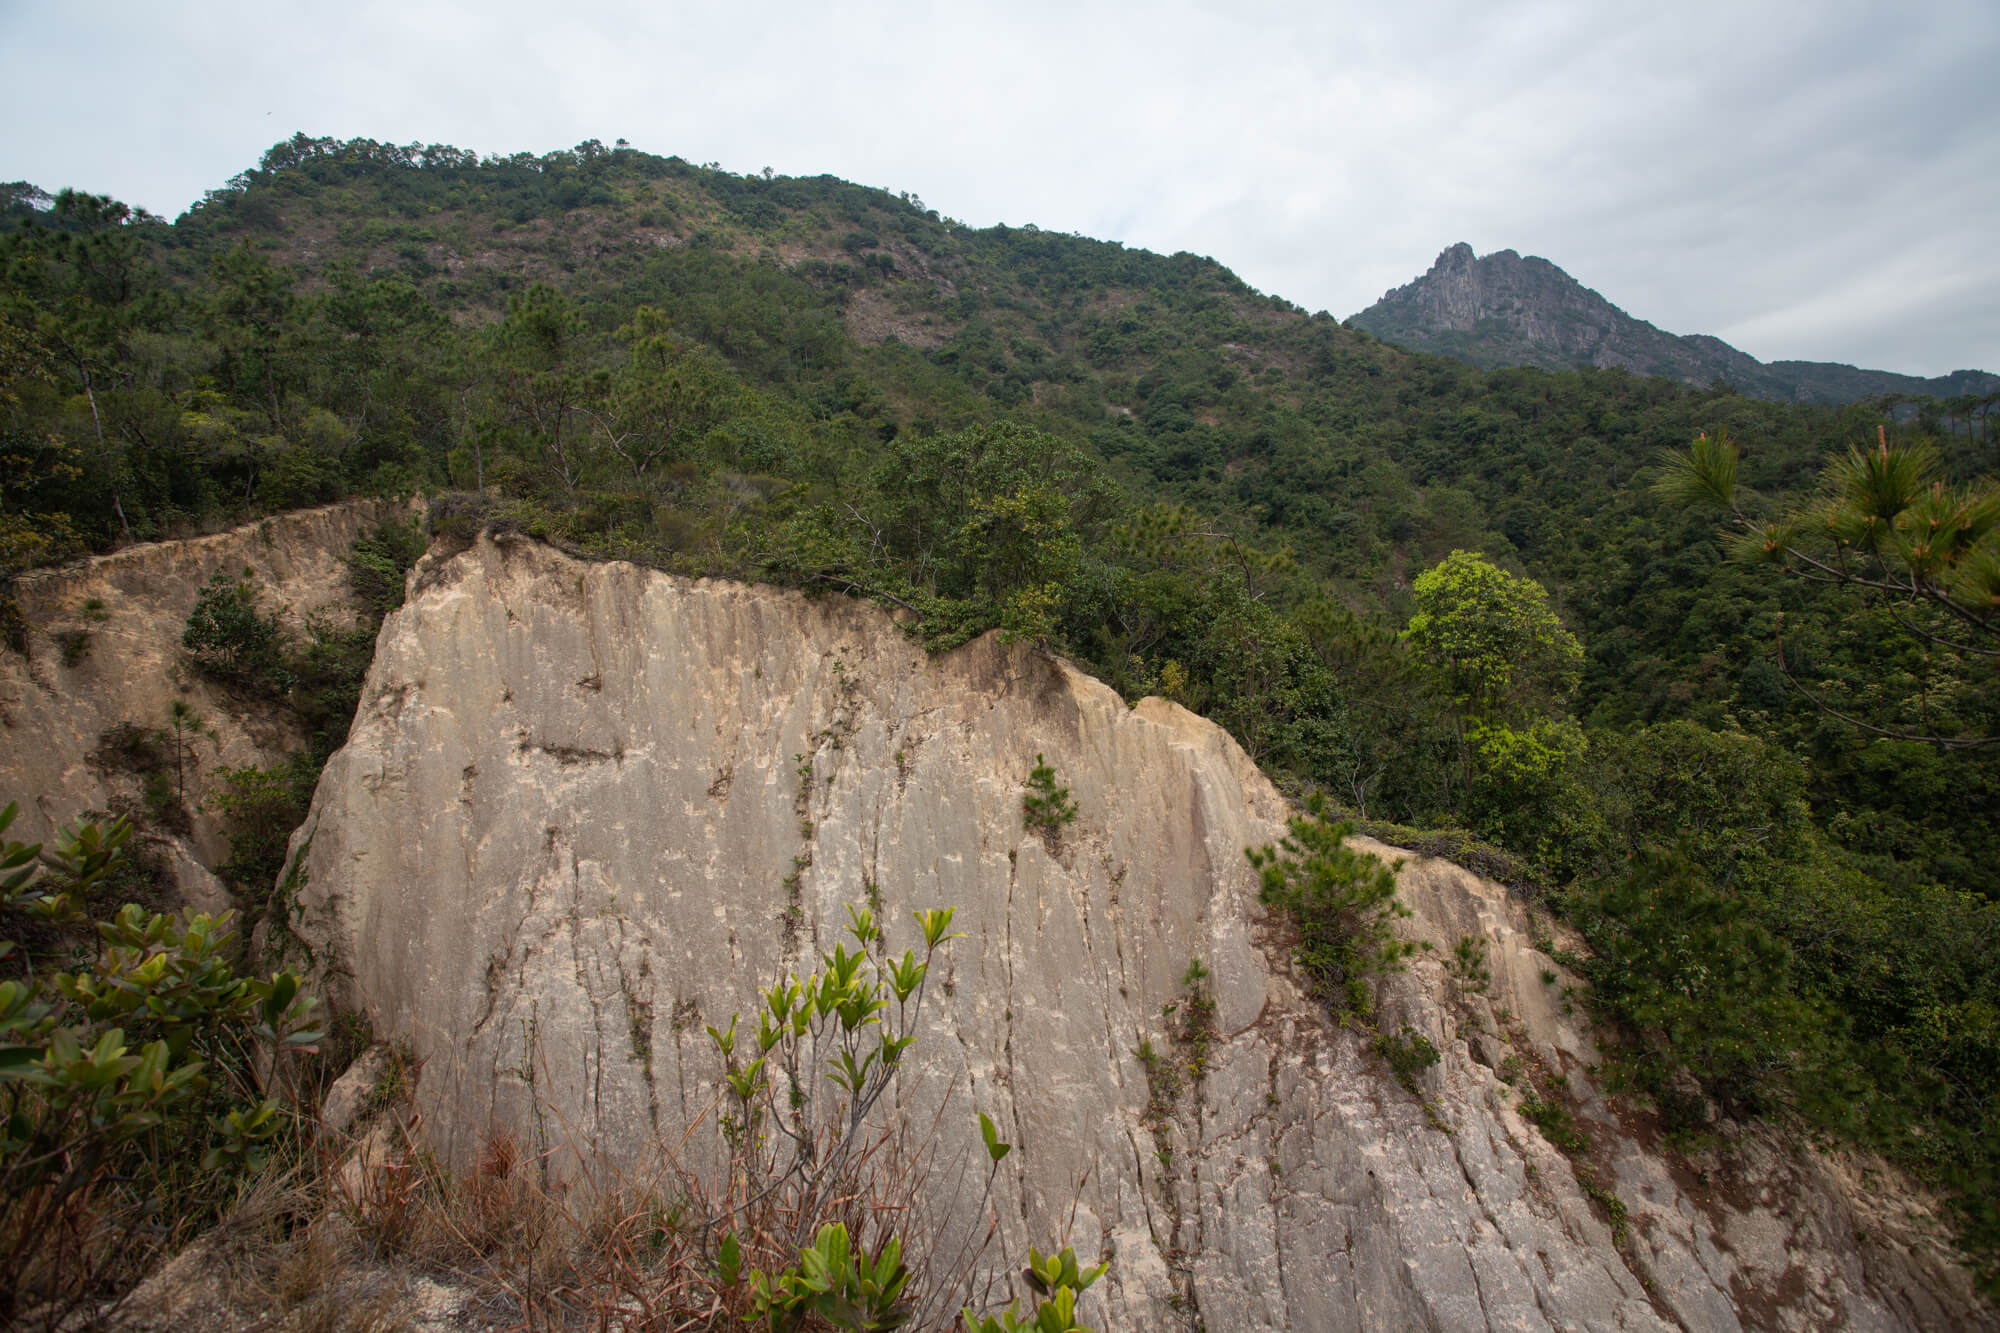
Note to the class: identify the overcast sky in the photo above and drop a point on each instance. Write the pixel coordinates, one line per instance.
(1815, 181)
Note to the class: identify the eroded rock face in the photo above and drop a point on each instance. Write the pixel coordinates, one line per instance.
(1503, 309)
(587, 809)
(125, 613)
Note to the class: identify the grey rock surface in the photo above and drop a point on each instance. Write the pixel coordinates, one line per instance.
(587, 809)
(1504, 309)
(342, 1108)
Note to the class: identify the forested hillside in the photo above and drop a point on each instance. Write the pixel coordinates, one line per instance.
(1762, 799)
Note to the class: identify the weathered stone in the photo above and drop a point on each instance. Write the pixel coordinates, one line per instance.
(247, 1279)
(369, 1171)
(54, 715)
(1502, 309)
(563, 837)
(341, 1109)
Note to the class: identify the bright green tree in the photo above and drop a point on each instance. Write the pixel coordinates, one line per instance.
(1506, 665)
(1531, 790)
(1492, 640)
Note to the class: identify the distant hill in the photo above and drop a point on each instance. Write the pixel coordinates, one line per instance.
(1506, 310)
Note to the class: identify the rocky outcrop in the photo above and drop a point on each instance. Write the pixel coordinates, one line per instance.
(587, 809)
(1505, 310)
(104, 651)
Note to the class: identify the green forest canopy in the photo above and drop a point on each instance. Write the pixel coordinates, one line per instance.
(1135, 460)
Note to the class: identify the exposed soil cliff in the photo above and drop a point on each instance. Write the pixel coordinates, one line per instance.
(588, 808)
(104, 651)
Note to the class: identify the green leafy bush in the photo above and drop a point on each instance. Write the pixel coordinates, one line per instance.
(128, 1101)
(1556, 1122)
(804, 1161)
(326, 676)
(835, 1282)
(827, 1048)
(260, 808)
(1059, 1282)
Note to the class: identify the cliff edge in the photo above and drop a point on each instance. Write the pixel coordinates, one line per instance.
(102, 652)
(587, 809)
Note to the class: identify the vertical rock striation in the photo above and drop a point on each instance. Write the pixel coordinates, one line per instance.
(587, 809)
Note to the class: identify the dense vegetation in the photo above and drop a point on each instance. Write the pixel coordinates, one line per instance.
(1755, 795)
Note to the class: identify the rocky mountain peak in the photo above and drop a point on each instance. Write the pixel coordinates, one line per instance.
(1454, 259)
(1503, 309)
